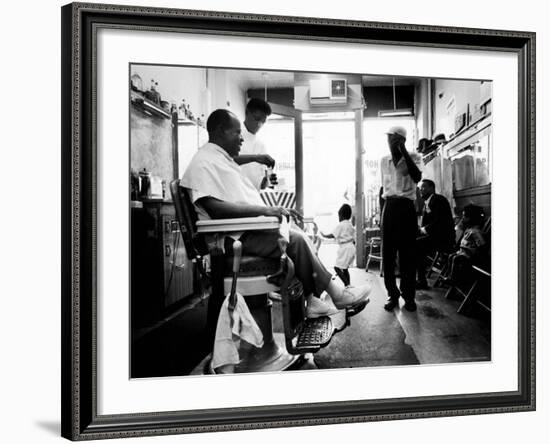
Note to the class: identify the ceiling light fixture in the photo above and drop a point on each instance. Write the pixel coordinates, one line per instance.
(395, 112)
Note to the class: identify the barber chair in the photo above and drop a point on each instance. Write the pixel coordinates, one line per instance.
(257, 278)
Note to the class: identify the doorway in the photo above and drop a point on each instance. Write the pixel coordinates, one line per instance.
(320, 158)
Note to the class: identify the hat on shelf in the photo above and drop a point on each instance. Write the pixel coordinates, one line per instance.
(423, 145)
(440, 138)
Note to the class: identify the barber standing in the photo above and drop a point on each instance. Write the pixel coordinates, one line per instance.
(253, 157)
(400, 174)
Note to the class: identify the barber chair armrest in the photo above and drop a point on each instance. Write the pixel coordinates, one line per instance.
(238, 224)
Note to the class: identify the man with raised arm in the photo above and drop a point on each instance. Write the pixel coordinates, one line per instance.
(400, 174)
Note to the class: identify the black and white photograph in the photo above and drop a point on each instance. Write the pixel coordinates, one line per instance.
(307, 221)
(275, 222)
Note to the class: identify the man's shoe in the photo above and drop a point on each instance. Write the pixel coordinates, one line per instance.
(422, 285)
(410, 305)
(316, 308)
(352, 296)
(391, 304)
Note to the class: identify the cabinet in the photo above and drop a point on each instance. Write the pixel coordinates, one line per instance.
(161, 274)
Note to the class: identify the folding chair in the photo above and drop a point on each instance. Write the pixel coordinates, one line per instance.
(438, 265)
(470, 293)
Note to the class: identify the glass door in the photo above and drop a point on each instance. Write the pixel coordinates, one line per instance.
(282, 135)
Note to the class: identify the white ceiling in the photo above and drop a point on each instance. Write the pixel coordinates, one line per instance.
(249, 79)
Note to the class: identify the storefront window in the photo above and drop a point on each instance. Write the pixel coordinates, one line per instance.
(483, 172)
(278, 136)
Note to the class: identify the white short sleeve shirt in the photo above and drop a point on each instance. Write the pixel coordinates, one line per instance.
(396, 184)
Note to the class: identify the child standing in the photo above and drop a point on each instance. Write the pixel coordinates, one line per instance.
(344, 234)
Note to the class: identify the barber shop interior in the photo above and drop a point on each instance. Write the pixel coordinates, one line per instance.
(303, 221)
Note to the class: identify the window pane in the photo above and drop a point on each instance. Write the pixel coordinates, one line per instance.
(483, 170)
(278, 136)
(463, 169)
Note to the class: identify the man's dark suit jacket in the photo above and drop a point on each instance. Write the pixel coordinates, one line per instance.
(438, 223)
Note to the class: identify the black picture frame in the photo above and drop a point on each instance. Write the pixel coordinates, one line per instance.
(79, 249)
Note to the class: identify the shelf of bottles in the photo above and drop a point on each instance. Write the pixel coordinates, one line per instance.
(138, 99)
(187, 117)
(150, 101)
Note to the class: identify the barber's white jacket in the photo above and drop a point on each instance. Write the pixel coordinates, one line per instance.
(252, 144)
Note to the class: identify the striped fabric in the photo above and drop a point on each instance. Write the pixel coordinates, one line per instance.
(285, 199)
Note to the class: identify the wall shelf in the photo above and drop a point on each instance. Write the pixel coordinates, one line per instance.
(469, 135)
(186, 121)
(139, 100)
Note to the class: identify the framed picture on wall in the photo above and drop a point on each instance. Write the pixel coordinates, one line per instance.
(240, 231)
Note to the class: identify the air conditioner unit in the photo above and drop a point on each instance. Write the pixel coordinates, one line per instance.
(328, 91)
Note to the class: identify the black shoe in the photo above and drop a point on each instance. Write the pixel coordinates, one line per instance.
(391, 304)
(422, 285)
(410, 305)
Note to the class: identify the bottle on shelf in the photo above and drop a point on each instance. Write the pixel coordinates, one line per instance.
(134, 184)
(156, 94)
(183, 110)
(144, 184)
(190, 114)
(150, 93)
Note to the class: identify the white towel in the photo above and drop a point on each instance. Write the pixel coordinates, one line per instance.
(227, 341)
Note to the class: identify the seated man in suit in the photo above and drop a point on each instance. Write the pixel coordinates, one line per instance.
(437, 231)
(219, 190)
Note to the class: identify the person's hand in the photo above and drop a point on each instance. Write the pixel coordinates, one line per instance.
(263, 183)
(278, 212)
(273, 180)
(270, 181)
(265, 159)
(402, 149)
(298, 218)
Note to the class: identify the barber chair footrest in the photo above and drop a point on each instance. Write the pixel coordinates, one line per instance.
(315, 334)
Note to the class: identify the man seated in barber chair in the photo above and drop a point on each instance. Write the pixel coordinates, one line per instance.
(437, 231)
(219, 190)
